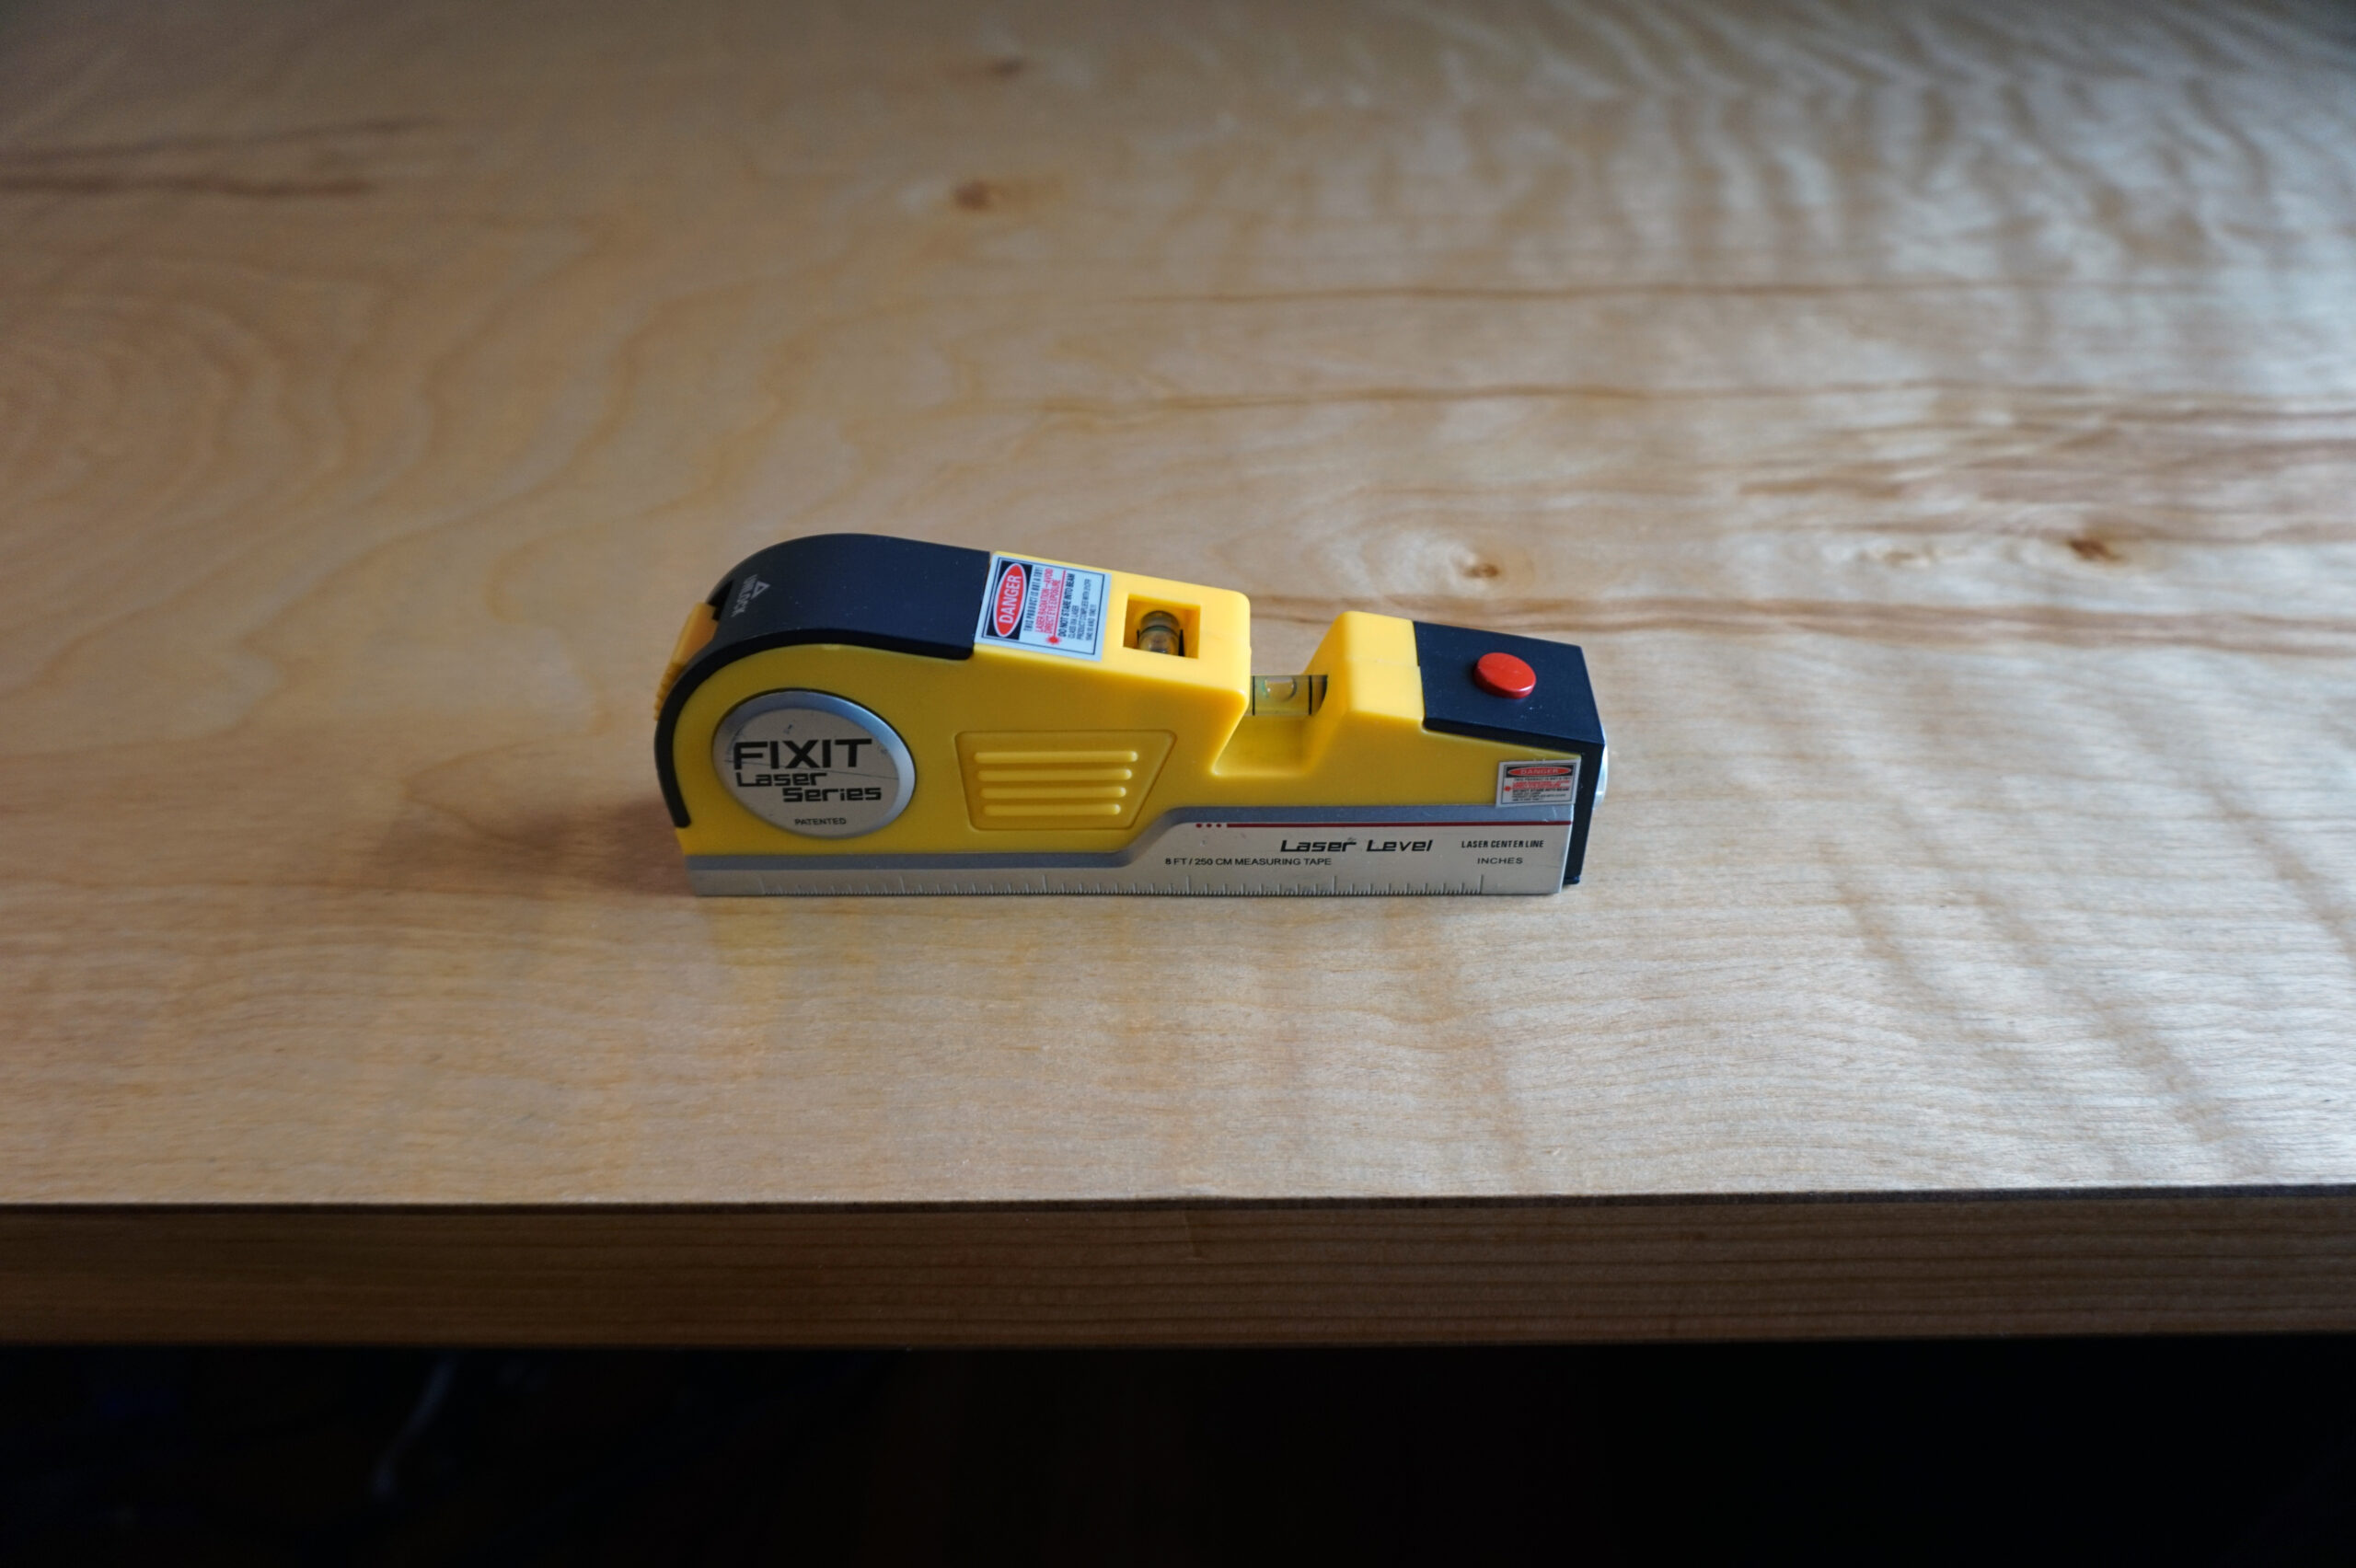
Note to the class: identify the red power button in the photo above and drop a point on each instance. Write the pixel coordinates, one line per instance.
(1502, 675)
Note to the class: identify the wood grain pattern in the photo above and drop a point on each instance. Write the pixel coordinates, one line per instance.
(1936, 422)
(1187, 1274)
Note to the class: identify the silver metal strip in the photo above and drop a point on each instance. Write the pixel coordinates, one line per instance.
(1214, 852)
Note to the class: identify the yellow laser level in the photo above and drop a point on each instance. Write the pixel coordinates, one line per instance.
(848, 713)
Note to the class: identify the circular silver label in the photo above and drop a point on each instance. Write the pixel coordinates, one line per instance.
(814, 764)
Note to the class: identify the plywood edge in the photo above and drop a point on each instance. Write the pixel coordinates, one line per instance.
(1843, 1266)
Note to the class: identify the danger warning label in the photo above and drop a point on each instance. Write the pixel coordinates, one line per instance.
(1047, 609)
(1537, 783)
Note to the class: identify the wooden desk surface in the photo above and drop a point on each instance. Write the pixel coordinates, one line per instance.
(1937, 422)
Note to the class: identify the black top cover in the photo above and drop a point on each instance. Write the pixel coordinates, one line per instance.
(1559, 716)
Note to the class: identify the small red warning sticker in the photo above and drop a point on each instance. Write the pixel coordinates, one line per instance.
(1007, 613)
(1044, 607)
(1550, 783)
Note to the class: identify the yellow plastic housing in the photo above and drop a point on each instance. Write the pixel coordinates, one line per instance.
(1178, 727)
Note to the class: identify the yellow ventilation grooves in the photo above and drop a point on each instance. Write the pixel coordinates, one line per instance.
(1058, 778)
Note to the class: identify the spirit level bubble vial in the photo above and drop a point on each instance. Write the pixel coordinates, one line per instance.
(848, 713)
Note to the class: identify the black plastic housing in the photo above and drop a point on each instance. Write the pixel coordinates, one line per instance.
(1559, 715)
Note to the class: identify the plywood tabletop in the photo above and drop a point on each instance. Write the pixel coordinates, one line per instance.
(1937, 423)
